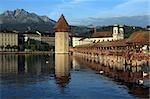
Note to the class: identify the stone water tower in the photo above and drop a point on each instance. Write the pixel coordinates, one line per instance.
(61, 36)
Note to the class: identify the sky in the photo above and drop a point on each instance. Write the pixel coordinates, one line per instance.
(75, 10)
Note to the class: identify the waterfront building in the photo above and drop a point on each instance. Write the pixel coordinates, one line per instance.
(7, 40)
(117, 33)
(136, 47)
(32, 35)
(48, 39)
(43, 37)
(148, 27)
(61, 36)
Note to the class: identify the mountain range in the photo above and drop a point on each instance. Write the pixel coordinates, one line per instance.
(22, 16)
(141, 21)
(22, 21)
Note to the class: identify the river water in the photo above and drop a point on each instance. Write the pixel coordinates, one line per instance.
(62, 76)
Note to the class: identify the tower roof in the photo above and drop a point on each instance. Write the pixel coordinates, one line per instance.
(61, 25)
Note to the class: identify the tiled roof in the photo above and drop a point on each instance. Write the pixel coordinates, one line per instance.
(140, 37)
(112, 43)
(102, 34)
(61, 25)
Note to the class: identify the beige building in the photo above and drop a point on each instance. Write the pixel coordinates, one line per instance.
(8, 38)
(61, 36)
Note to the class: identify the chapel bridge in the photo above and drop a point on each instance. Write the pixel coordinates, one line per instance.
(130, 48)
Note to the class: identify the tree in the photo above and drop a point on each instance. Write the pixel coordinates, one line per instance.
(33, 47)
(8, 47)
(15, 47)
(2, 47)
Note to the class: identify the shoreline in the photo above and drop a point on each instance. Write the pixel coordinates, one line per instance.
(30, 52)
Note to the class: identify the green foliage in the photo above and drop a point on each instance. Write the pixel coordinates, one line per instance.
(130, 29)
(8, 47)
(22, 27)
(104, 28)
(80, 31)
(2, 47)
(35, 45)
(14, 47)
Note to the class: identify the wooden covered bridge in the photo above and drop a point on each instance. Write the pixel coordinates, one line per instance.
(131, 47)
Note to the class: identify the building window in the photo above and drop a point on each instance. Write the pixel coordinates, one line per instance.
(115, 31)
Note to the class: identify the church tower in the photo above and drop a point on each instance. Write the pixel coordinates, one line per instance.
(115, 32)
(61, 36)
(121, 32)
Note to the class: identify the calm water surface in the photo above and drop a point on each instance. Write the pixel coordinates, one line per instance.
(62, 77)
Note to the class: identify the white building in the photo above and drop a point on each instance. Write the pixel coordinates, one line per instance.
(116, 34)
(44, 37)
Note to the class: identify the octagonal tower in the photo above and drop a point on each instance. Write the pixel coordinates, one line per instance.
(61, 35)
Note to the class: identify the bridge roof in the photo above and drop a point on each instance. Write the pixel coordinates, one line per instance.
(140, 37)
(103, 34)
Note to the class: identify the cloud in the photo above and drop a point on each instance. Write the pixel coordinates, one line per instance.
(83, 9)
(126, 8)
(131, 7)
(66, 6)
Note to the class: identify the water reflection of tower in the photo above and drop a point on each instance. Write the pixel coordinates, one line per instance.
(62, 67)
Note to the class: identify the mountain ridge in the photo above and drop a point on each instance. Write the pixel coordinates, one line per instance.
(140, 20)
(22, 21)
(22, 16)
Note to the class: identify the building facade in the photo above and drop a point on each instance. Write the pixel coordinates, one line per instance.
(8, 39)
(43, 37)
(117, 33)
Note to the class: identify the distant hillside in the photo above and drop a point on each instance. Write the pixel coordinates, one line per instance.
(80, 31)
(141, 21)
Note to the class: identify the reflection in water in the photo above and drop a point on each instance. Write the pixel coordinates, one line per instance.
(21, 65)
(121, 70)
(38, 76)
(62, 69)
(26, 64)
(9, 64)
